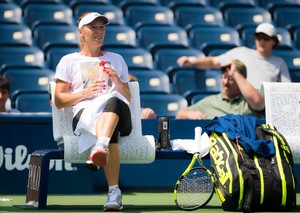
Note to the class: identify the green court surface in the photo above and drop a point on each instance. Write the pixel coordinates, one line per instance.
(133, 202)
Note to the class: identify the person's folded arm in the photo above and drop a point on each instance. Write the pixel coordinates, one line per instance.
(251, 94)
(190, 114)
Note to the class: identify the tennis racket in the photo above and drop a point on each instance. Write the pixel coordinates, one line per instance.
(195, 187)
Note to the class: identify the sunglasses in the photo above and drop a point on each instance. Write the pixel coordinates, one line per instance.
(226, 77)
(263, 37)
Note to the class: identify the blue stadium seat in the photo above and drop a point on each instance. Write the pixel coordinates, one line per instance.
(193, 96)
(152, 81)
(119, 36)
(192, 79)
(141, 15)
(242, 17)
(287, 17)
(32, 101)
(153, 38)
(190, 16)
(164, 104)
(36, 14)
(166, 58)
(291, 57)
(295, 75)
(135, 58)
(285, 40)
(112, 12)
(271, 4)
(296, 37)
(218, 3)
(48, 36)
(75, 3)
(30, 78)
(216, 52)
(18, 56)
(224, 4)
(54, 55)
(123, 4)
(25, 3)
(15, 35)
(209, 38)
(10, 13)
(174, 4)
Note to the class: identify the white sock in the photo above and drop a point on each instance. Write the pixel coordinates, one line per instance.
(103, 140)
(113, 187)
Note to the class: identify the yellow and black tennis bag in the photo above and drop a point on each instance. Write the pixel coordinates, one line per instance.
(250, 182)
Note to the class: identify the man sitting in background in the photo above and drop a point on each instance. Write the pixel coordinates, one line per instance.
(261, 64)
(238, 96)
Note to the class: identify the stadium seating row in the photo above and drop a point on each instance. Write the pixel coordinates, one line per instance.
(239, 31)
(232, 13)
(35, 14)
(150, 39)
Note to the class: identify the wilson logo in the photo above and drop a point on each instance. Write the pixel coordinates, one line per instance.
(18, 159)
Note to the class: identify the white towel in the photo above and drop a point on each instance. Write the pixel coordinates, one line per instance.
(86, 126)
(193, 146)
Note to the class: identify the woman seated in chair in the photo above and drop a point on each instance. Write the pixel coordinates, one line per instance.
(100, 104)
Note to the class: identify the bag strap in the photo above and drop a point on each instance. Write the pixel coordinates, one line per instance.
(248, 190)
(248, 195)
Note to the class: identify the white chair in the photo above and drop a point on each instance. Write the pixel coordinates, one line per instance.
(134, 149)
(282, 104)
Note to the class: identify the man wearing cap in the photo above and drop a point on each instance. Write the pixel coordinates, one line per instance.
(238, 97)
(262, 66)
(95, 84)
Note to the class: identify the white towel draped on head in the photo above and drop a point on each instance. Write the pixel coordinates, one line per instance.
(86, 126)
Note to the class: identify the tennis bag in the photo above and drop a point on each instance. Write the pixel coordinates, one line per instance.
(246, 182)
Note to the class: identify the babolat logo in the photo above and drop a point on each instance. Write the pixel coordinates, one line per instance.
(18, 159)
(217, 156)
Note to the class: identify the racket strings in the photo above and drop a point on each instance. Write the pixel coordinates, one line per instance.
(195, 189)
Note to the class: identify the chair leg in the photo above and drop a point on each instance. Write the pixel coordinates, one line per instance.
(37, 184)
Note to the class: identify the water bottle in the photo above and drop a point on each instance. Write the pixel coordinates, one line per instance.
(103, 76)
(163, 133)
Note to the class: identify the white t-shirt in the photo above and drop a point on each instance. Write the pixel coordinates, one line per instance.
(259, 69)
(69, 70)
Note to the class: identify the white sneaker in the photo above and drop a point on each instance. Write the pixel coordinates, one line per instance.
(114, 200)
(98, 156)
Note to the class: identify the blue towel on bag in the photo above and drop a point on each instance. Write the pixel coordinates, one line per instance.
(243, 127)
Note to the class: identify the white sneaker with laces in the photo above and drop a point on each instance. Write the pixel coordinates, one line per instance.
(114, 200)
(98, 156)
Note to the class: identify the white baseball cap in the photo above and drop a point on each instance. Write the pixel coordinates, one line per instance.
(91, 17)
(267, 29)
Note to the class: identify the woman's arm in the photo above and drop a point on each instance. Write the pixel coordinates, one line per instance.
(63, 98)
(121, 87)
